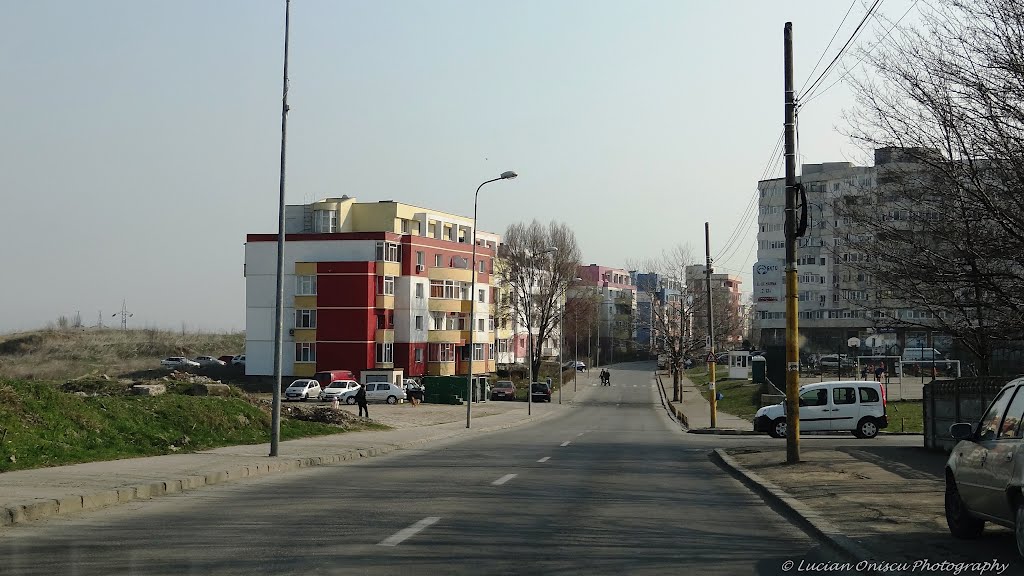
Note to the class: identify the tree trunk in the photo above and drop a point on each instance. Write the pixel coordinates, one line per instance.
(677, 387)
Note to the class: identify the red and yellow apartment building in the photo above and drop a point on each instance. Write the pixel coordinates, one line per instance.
(382, 289)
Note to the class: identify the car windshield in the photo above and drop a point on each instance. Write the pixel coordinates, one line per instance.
(338, 385)
(502, 384)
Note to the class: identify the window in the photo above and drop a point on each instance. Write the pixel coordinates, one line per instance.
(437, 320)
(478, 351)
(481, 295)
(388, 252)
(419, 355)
(844, 396)
(305, 352)
(406, 226)
(385, 352)
(481, 266)
(503, 346)
(325, 221)
(817, 397)
(419, 258)
(305, 318)
(490, 351)
(490, 323)
(386, 285)
(1011, 423)
(419, 322)
(419, 290)
(438, 259)
(305, 285)
(868, 395)
(990, 422)
(441, 352)
(479, 324)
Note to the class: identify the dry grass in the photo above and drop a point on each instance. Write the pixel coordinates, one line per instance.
(73, 353)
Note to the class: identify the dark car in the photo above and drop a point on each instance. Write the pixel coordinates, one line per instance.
(540, 392)
(503, 390)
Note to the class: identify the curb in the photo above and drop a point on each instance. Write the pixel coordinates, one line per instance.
(49, 507)
(725, 432)
(673, 409)
(806, 517)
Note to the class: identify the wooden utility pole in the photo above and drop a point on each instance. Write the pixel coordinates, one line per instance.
(792, 342)
(711, 329)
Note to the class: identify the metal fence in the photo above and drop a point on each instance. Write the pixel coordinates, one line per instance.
(947, 402)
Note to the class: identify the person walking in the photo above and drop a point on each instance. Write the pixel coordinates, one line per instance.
(361, 400)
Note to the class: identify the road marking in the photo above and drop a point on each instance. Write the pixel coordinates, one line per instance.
(566, 443)
(405, 533)
(580, 434)
(544, 459)
(503, 479)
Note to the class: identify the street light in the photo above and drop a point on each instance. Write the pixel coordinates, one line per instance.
(472, 302)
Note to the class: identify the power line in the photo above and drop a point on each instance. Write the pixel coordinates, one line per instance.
(856, 32)
(745, 216)
(823, 52)
(863, 56)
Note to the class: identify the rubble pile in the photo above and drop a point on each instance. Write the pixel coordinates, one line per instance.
(322, 414)
(190, 378)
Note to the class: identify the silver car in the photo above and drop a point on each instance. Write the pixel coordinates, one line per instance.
(338, 389)
(985, 471)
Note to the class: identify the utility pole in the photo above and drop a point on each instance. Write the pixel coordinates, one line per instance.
(792, 344)
(711, 329)
(275, 412)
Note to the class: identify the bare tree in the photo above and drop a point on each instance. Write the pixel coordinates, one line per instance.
(675, 311)
(537, 278)
(942, 235)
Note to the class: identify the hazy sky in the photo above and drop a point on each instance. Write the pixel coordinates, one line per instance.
(139, 141)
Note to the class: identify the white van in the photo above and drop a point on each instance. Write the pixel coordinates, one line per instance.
(856, 406)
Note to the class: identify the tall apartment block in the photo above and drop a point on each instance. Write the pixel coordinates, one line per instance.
(380, 288)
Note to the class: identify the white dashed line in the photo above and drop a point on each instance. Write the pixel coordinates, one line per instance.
(580, 434)
(503, 479)
(405, 533)
(544, 459)
(566, 443)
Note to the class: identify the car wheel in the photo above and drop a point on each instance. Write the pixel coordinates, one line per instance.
(778, 429)
(1019, 526)
(392, 400)
(962, 524)
(866, 428)
(350, 400)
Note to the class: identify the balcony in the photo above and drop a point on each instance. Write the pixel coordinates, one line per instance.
(384, 335)
(449, 305)
(447, 336)
(385, 301)
(384, 268)
(440, 368)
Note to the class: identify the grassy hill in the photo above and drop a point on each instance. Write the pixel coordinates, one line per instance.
(65, 397)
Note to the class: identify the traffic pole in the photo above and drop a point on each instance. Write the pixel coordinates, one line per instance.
(711, 329)
(792, 330)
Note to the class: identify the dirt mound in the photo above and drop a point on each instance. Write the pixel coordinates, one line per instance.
(321, 414)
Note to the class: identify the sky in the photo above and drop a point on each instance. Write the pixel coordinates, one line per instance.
(140, 141)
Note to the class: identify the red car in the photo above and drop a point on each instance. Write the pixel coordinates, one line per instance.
(503, 390)
(226, 359)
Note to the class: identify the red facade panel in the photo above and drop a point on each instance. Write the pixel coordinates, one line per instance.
(405, 358)
(344, 356)
(346, 290)
(345, 324)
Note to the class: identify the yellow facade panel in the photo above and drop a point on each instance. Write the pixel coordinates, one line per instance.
(305, 302)
(440, 368)
(457, 274)
(305, 268)
(384, 335)
(445, 336)
(385, 301)
(444, 305)
(305, 334)
(389, 268)
(303, 369)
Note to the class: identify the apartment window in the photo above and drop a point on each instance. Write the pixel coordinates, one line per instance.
(385, 352)
(481, 295)
(388, 252)
(419, 259)
(478, 351)
(386, 285)
(502, 346)
(419, 290)
(481, 266)
(419, 322)
(419, 355)
(305, 285)
(305, 318)
(455, 321)
(406, 226)
(490, 351)
(479, 324)
(437, 260)
(437, 320)
(305, 352)
(441, 352)
(490, 323)
(325, 221)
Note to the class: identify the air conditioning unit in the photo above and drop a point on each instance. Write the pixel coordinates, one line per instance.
(420, 267)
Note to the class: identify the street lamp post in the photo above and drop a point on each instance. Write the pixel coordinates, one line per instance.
(472, 302)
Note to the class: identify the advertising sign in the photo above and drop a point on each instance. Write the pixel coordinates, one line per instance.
(768, 281)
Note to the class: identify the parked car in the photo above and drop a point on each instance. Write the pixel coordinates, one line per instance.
(238, 360)
(985, 470)
(209, 361)
(578, 365)
(384, 392)
(856, 406)
(503, 390)
(337, 389)
(226, 359)
(302, 389)
(178, 362)
(410, 385)
(832, 361)
(540, 392)
(325, 377)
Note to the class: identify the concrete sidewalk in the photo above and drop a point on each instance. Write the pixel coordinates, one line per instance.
(694, 411)
(28, 495)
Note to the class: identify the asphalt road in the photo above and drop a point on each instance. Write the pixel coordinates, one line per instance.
(613, 487)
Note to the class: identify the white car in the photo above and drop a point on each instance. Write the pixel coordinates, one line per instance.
(338, 389)
(856, 406)
(208, 361)
(384, 392)
(178, 362)
(302, 389)
(238, 360)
